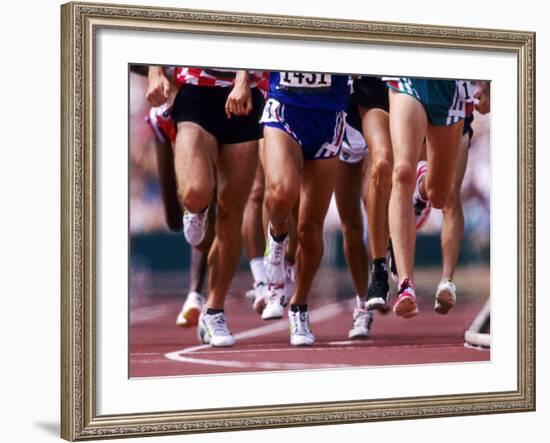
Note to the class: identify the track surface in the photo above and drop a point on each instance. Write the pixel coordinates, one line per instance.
(159, 348)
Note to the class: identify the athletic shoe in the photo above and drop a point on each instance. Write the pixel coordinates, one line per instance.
(378, 294)
(406, 305)
(445, 297)
(213, 330)
(260, 295)
(422, 207)
(195, 226)
(191, 310)
(390, 260)
(300, 333)
(362, 321)
(274, 260)
(162, 124)
(275, 302)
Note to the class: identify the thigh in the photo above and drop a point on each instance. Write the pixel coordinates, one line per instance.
(283, 161)
(408, 126)
(376, 128)
(195, 154)
(442, 144)
(236, 169)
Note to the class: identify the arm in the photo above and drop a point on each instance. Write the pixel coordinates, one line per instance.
(239, 101)
(158, 89)
(483, 95)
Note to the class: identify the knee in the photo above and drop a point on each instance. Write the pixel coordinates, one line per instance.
(281, 196)
(310, 236)
(438, 197)
(256, 195)
(453, 204)
(194, 198)
(353, 236)
(381, 173)
(404, 175)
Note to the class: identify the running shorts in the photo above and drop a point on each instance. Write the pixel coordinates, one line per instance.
(370, 93)
(445, 101)
(354, 146)
(205, 106)
(319, 133)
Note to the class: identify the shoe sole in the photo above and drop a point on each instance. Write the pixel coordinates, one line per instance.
(444, 302)
(406, 307)
(271, 316)
(358, 336)
(302, 343)
(190, 318)
(379, 304)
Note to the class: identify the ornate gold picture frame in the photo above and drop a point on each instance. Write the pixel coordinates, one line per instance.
(80, 23)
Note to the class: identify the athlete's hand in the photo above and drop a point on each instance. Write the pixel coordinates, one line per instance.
(158, 89)
(483, 96)
(239, 101)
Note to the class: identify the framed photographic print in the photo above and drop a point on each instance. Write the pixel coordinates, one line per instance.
(277, 221)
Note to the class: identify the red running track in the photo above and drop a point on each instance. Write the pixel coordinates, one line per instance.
(159, 348)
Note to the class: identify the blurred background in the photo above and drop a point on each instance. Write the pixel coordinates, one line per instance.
(155, 248)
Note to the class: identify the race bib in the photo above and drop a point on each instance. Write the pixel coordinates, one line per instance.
(304, 80)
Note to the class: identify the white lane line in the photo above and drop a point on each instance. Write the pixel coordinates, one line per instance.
(317, 315)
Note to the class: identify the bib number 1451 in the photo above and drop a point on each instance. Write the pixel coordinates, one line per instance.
(304, 80)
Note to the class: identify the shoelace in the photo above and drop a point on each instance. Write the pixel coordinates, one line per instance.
(302, 327)
(362, 317)
(219, 324)
(404, 286)
(196, 220)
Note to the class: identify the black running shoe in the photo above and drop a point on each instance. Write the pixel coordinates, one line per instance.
(378, 294)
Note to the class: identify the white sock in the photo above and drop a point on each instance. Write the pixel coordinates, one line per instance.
(258, 270)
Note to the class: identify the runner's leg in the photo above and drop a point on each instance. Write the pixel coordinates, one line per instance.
(236, 166)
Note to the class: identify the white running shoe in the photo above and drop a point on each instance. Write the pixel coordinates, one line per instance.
(274, 260)
(195, 226)
(300, 333)
(260, 296)
(362, 321)
(191, 310)
(445, 297)
(422, 208)
(406, 305)
(213, 330)
(275, 302)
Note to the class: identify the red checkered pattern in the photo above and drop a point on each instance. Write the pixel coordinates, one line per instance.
(216, 77)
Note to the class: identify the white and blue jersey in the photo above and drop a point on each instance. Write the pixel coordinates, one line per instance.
(310, 108)
(310, 90)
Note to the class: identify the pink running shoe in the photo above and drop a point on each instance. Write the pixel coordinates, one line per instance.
(421, 207)
(405, 305)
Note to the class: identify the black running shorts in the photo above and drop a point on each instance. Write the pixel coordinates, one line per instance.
(205, 106)
(370, 93)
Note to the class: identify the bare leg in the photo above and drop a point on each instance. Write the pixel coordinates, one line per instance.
(236, 166)
(252, 229)
(452, 230)
(195, 157)
(283, 167)
(442, 144)
(197, 271)
(377, 132)
(318, 181)
(408, 126)
(347, 191)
